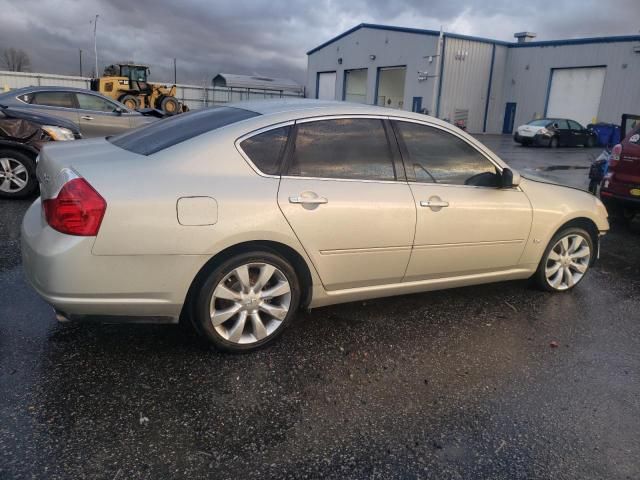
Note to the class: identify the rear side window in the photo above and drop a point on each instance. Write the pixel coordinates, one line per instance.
(575, 125)
(165, 133)
(53, 99)
(266, 149)
(344, 148)
(562, 124)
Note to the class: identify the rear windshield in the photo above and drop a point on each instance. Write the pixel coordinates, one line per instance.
(165, 133)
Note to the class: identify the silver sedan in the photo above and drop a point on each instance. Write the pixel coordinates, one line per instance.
(95, 114)
(236, 217)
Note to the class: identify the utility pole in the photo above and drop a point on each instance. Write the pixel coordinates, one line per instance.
(95, 41)
(80, 51)
(175, 72)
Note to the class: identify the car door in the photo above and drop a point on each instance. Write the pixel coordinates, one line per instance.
(344, 194)
(100, 117)
(578, 133)
(565, 137)
(466, 224)
(56, 103)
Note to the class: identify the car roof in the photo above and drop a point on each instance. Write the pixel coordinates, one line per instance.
(306, 107)
(38, 88)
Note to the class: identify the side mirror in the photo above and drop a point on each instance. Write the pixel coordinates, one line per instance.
(118, 111)
(509, 179)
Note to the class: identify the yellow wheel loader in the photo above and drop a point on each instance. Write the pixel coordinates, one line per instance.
(127, 83)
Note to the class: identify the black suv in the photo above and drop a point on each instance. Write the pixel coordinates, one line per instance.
(22, 135)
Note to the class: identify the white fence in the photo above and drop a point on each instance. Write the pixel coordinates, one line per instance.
(193, 96)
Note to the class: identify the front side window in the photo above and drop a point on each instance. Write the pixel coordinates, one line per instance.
(266, 149)
(344, 148)
(92, 102)
(436, 156)
(53, 99)
(562, 124)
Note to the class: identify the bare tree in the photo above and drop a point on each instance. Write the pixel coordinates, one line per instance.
(15, 60)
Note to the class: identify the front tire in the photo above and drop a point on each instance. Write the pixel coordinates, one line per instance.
(247, 301)
(565, 261)
(554, 143)
(170, 105)
(17, 174)
(130, 101)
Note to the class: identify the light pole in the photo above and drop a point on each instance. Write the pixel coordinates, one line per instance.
(95, 41)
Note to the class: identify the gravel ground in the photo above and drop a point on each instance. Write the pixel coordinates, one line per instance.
(455, 384)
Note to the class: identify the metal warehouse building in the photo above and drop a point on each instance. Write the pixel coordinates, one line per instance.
(490, 85)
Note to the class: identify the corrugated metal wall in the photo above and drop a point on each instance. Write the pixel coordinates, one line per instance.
(528, 71)
(193, 95)
(466, 77)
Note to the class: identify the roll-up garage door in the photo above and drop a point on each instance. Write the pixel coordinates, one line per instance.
(327, 86)
(575, 93)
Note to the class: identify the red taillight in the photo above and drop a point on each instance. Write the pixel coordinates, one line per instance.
(77, 210)
(614, 158)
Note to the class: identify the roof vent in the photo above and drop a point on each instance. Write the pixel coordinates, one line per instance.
(524, 36)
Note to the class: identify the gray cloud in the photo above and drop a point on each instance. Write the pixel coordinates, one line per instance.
(268, 37)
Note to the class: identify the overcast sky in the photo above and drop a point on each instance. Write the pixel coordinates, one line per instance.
(269, 37)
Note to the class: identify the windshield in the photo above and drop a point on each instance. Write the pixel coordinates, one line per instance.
(165, 133)
(137, 74)
(543, 122)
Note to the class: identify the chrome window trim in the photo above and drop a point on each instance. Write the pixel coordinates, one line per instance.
(253, 133)
(487, 155)
(359, 180)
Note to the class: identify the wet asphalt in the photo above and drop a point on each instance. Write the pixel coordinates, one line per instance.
(456, 384)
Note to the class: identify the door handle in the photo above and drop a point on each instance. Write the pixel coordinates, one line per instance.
(434, 203)
(308, 200)
(86, 117)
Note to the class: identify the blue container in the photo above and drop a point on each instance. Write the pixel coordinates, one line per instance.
(607, 133)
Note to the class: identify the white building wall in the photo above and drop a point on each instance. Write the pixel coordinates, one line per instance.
(520, 73)
(528, 72)
(391, 49)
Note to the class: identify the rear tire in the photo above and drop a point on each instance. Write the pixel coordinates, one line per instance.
(17, 174)
(565, 261)
(590, 142)
(247, 301)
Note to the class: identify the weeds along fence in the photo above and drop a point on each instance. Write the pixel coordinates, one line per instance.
(193, 96)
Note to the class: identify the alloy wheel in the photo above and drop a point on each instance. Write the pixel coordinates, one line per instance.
(567, 262)
(14, 176)
(250, 303)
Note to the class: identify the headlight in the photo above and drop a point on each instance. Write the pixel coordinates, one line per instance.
(59, 134)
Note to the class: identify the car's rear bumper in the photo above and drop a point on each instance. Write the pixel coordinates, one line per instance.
(63, 270)
(609, 197)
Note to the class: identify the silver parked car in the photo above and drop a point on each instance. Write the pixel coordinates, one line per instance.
(95, 114)
(254, 210)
